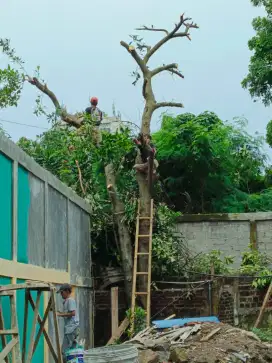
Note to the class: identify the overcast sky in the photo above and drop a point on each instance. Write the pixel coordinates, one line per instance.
(77, 45)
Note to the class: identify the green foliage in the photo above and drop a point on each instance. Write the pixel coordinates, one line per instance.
(259, 78)
(204, 263)
(264, 334)
(217, 163)
(258, 264)
(170, 253)
(139, 317)
(11, 79)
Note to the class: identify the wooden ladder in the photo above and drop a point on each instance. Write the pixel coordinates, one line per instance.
(13, 346)
(142, 250)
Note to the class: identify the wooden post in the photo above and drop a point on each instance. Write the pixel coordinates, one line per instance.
(56, 325)
(267, 296)
(33, 330)
(114, 311)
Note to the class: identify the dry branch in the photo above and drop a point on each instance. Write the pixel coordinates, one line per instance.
(65, 116)
(80, 178)
(144, 27)
(168, 104)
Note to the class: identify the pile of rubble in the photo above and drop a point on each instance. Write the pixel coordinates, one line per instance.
(201, 343)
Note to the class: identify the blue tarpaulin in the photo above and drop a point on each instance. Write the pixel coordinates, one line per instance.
(163, 324)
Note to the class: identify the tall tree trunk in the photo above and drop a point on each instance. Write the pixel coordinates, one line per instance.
(144, 192)
(123, 232)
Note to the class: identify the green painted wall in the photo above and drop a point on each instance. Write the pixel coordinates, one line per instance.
(23, 199)
(5, 207)
(23, 214)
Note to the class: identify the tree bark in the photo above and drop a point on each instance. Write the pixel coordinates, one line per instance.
(123, 232)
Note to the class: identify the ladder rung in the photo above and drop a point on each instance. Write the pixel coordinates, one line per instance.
(144, 235)
(141, 273)
(143, 253)
(9, 332)
(140, 293)
(144, 217)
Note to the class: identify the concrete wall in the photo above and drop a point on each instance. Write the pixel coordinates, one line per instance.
(229, 233)
(44, 235)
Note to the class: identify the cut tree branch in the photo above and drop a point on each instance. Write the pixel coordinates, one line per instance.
(144, 27)
(168, 104)
(65, 116)
(136, 56)
(173, 67)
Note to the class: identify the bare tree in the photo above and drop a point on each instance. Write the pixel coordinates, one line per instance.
(142, 60)
(142, 53)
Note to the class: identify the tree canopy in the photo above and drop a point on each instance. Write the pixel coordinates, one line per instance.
(259, 78)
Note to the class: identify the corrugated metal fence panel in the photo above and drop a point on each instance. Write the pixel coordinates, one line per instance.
(79, 246)
(5, 207)
(83, 300)
(23, 214)
(36, 252)
(57, 231)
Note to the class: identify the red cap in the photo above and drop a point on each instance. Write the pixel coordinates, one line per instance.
(94, 100)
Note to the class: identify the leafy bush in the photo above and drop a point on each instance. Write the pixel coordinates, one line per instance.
(256, 263)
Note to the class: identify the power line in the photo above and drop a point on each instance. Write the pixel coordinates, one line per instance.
(19, 123)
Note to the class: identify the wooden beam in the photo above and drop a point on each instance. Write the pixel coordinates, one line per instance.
(124, 325)
(25, 326)
(8, 332)
(29, 272)
(46, 336)
(8, 348)
(267, 296)
(56, 325)
(27, 286)
(114, 311)
(42, 325)
(33, 329)
(3, 337)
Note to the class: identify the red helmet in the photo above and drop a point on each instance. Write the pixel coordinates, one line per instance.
(94, 101)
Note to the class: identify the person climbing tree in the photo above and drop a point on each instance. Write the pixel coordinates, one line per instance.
(147, 150)
(96, 117)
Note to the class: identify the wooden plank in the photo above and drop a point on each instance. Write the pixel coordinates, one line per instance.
(16, 352)
(170, 317)
(42, 325)
(33, 329)
(114, 310)
(46, 336)
(28, 272)
(25, 325)
(45, 348)
(210, 335)
(267, 296)
(56, 325)
(27, 286)
(3, 337)
(124, 325)
(8, 349)
(9, 332)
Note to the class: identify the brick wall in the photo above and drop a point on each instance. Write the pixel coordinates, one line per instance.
(234, 301)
